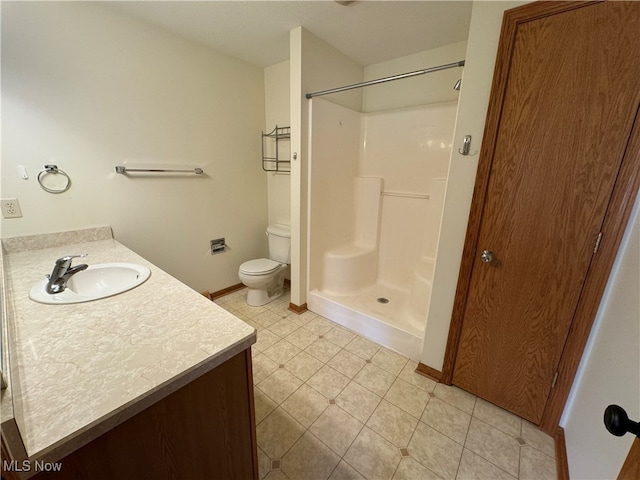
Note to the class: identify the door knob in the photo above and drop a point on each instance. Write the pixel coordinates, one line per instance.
(618, 423)
(487, 256)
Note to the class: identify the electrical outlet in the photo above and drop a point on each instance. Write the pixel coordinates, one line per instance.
(11, 208)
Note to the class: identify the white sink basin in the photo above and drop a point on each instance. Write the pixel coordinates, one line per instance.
(97, 281)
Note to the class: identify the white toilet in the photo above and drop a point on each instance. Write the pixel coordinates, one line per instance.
(265, 276)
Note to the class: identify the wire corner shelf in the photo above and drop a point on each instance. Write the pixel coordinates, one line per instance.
(272, 154)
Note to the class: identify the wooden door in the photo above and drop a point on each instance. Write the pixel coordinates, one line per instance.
(571, 98)
(631, 468)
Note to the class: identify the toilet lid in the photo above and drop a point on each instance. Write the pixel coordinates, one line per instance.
(259, 266)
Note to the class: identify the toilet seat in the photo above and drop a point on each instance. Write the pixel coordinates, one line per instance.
(259, 266)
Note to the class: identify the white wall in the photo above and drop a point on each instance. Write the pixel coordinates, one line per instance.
(610, 369)
(420, 90)
(92, 89)
(482, 45)
(315, 65)
(276, 96)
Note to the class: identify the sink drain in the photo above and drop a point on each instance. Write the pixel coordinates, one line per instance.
(382, 300)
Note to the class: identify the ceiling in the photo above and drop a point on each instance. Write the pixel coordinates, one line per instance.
(368, 32)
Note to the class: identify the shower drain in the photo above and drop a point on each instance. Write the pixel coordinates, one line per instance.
(382, 300)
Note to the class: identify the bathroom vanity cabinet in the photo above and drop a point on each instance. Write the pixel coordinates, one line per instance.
(154, 383)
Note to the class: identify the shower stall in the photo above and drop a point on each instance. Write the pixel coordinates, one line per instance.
(376, 191)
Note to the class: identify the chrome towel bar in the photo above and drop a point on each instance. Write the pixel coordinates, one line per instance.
(124, 170)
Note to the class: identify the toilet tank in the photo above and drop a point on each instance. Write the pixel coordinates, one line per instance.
(279, 243)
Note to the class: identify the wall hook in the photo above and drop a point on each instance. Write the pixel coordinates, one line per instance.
(466, 146)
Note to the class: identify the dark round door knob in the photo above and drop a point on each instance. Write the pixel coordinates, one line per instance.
(617, 421)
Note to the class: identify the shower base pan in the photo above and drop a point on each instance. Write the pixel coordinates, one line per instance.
(379, 313)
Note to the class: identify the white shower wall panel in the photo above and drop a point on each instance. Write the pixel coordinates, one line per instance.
(402, 236)
(408, 147)
(334, 147)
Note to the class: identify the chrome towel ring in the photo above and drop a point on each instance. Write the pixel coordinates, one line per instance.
(53, 169)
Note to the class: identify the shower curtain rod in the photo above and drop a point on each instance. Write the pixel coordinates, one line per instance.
(387, 79)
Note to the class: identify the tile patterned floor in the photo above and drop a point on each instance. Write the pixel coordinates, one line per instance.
(331, 404)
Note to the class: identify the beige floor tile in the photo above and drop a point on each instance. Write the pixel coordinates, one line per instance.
(281, 352)
(408, 397)
(535, 465)
(362, 347)
(447, 419)
(328, 382)
(263, 405)
(358, 401)
(336, 428)
(276, 475)
(266, 338)
(394, 424)
(373, 456)
(322, 349)
(340, 336)
(266, 318)
(303, 366)
(277, 433)
(280, 306)
(375, 379)
(279, 385)
(305, 405)
(344, 471)
(222, 300)
(298, 319)
(435, 451)
(302, 338)
(264, 463)
(497, 417)
(253, 324)
(493, 445)
(409, 375)
(347, 363)
(307, 316)
(390, 361)
(537, 438)
(244, 310)
(474, 467)
(409, 469)
(319, 325)
(284, 327)
(263, 366)
(457, 397)
(309, 459)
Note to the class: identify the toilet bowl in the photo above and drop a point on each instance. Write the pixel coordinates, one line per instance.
(264, 277)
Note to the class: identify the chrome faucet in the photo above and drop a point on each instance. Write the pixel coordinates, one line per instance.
(62, 272)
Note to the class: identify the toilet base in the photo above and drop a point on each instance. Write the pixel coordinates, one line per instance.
(257, 297)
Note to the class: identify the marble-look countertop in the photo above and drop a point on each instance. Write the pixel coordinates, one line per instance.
(78, 370)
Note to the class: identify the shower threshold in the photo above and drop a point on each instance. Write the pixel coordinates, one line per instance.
(378, 313)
